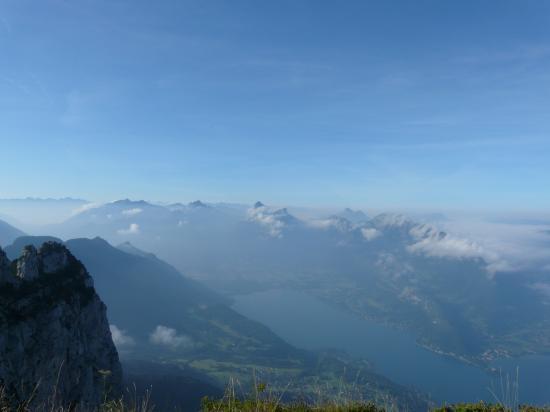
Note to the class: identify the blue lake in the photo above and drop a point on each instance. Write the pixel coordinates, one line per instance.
(310, 323)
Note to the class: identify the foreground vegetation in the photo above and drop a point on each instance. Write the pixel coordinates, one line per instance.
(229, 404)
(252, 406)
(484, 407)
(261, 399)
(270, 405)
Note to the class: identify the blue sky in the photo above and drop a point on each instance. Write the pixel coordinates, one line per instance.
(425, 104)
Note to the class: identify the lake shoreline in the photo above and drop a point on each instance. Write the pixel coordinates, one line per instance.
(307, 321)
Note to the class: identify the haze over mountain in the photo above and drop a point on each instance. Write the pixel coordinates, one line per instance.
(30, 212)
(8, 233)
(388, 267)
(158, 315)
(294, 188)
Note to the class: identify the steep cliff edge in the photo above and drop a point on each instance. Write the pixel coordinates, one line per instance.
(55, 343)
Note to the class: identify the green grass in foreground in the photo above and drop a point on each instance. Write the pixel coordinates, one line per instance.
(485, 407)
(251, 405)
(231, 404)
(263, 400)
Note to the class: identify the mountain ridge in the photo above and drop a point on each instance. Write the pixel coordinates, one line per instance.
(184, 325)
(55, 335)
(8, 233)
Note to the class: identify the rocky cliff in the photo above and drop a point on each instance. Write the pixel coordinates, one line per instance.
(55, 343)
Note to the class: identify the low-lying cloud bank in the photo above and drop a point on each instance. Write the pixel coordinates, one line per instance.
(505, 247)
(266, 217)
(441, 244)
(165, 336)
(505, 243)
(132, 212)
(370, 233)
(133, 229)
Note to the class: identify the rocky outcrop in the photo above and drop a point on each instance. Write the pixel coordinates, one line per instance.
(55, 342)
(27, 264)
(5, 272)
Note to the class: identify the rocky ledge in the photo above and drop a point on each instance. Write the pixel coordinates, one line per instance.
(55, 343)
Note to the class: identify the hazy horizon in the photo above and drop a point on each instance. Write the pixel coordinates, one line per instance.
(313, 200)
(372, 207)
(512, 241)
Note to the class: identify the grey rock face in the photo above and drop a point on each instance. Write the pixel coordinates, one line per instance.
(55, 257)
(5, 272)
(27, 264)
(55, 340)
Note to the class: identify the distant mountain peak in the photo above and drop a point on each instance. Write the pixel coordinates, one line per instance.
(337, 222)
(283, 213)
(100, 240)
(274, 220)
(284, 216)
(121, 201)
(45, 199)
(353, 216)
(129, 202)
(128, 247)
(197, 204)
(392, 220)
(258, 204)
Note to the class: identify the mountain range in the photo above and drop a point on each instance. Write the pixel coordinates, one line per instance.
(8, 233)
(32, 212)
(456, 296)
(164, 321)
(388, 267)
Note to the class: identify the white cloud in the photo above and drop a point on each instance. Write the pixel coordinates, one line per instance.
(385, 220)
(120, 338)
(432, 242)
(132, 212)
(370, 233)
(133, 229)
(447, 246)
(265, 217)
(321, 223)
(85, 207)
(523, 246)
(165, 336)
(335, 222)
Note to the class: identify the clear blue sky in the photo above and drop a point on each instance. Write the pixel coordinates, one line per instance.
(442, 104)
